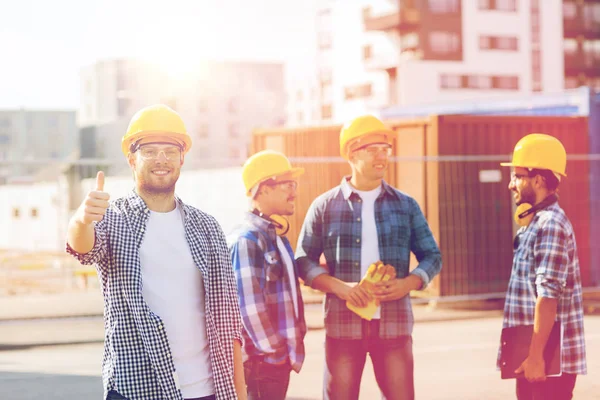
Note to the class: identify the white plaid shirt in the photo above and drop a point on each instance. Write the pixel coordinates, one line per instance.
(137, 359)
(545, 264)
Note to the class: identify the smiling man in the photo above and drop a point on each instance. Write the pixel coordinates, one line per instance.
(360, 222)
(267, 277)
(173, 327)
(545, 283)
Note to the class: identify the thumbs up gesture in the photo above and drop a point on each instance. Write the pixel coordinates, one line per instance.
(95, 204)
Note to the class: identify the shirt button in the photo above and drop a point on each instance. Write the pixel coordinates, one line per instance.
(356, 264)
(357, 240)
(358, 219)
(360, 200)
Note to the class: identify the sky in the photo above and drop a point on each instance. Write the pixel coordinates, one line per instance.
(45, 43)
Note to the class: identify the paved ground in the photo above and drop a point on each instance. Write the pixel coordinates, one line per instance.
(453, 360)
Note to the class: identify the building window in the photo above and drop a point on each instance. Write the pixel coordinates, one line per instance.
(300, 117)
(234, 131)
(498, 43)
(479, 82)
(203, 131)
(444, 6)
(485, 42)
(569, 10)
(357, 92)
(591, 52)
(233, 105)
(591, 16)
(367, 52)
(34, 213)
(444, 42)
(448, 81)
(498, 5)
(202, 105)
(324, 40)
(366, 12)
(506, 82)
(299, 95)
(325, 77)
(570, 47)
(234, 153)
(507, 43)
(16, 213)
(326, 111)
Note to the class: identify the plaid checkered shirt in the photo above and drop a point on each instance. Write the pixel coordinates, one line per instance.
(137, 359)
(272, 329)
(545, 264)
(333, 226)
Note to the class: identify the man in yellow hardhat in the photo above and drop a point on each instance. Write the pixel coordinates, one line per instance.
(173, 328)
(545, 284)
(269, 293)
(356, 224)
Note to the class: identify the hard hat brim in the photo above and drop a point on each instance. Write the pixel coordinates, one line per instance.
(510, 164)
(292, 173)
(144, 134)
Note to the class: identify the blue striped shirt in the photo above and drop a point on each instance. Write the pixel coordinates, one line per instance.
(272, 330)
(545, 264)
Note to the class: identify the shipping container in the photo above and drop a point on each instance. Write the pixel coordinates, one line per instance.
(450, 165)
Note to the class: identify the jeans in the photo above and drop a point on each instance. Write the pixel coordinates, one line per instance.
(553, 388)
(266, 381)
(392, 363)
(114, 395)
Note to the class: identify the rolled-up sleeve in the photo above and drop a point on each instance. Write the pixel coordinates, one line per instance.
(98, 252)
(424, 247)
(310, 245)
(551, 260)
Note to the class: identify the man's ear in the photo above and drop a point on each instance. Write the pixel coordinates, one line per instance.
(131, 160)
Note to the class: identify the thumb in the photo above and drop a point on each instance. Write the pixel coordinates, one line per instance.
(100, 181)
(519, 370)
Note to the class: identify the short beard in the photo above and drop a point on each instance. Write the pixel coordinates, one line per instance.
(527, 198)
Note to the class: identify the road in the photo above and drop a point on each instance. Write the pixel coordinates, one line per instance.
(453, 360)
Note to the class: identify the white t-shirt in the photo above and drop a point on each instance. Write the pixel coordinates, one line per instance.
(173, 288)
(369, 249)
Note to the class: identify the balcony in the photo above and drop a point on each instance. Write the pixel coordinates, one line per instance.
(579, 26)
(406, 19)
(381, 60)
(586, 64)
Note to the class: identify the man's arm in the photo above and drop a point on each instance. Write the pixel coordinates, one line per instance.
(248, 261)
(238, 371)
(425, 248)
(308, 253)
(81, 231)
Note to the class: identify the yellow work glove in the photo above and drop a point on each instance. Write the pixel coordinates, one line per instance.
(377, 272)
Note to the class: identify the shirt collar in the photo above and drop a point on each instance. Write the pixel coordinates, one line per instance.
(259, 222)
(347, 188)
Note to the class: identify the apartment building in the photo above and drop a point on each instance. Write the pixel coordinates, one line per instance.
(28, 138)
(374, 54)
(220, 102)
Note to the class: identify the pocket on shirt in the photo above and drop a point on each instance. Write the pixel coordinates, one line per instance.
(273, 266)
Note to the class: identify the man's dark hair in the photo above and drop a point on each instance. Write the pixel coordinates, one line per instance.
(551, 180)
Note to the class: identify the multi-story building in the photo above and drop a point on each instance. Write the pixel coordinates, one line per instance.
(220, 102)
(374, 54)
(28, 138)
(581, 28)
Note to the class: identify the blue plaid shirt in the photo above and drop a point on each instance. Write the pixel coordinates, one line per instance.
(137, 359)
(272, 330)
(545, 264)
(333, 226)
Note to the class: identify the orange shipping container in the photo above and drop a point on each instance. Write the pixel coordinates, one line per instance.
(450, 165)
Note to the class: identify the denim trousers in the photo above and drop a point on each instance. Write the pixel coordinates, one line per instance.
(553, 388)
(392, 363)
(266, 381)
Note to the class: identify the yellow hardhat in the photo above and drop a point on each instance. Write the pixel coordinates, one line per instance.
(361, 131)
(267, 164)
(156, 120)
(540, 151)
